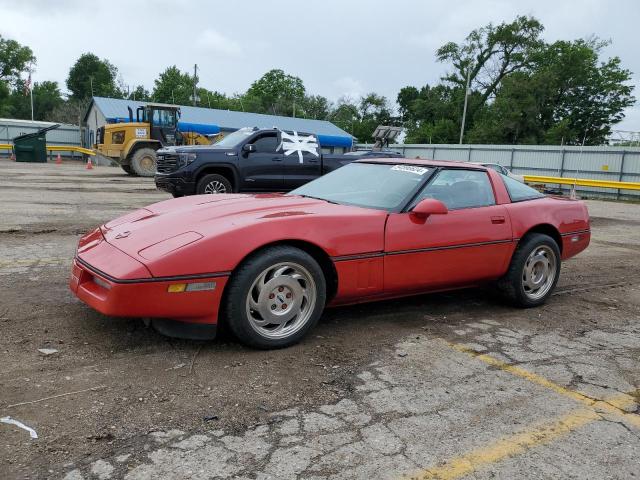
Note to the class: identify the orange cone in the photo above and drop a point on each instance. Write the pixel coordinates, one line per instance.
(89, 164)
(58, 160)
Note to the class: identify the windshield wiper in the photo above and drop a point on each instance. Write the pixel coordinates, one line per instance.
(318, 198)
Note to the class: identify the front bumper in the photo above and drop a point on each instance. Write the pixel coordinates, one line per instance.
(146, 297)
(174, 184)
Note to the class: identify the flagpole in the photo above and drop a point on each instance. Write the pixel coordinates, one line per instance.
(31, 91)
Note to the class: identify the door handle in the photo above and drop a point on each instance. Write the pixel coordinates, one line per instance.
(497, 220)
(276, 159)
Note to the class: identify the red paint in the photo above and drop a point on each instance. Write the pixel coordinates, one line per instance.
(375, 254)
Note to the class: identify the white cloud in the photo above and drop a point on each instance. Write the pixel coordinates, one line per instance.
(214, 42)
(349, 87)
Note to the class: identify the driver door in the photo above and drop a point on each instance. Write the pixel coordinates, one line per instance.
(263, 168)
(471, 243)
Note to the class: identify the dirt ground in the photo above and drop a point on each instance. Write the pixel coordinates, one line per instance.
(435, 386)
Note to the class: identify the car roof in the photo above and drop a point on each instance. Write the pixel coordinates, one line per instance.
(423, 162)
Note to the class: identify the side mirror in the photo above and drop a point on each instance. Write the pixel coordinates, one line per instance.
(429, 206)
(249, 147)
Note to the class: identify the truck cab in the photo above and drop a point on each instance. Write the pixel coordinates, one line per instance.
(247, 160)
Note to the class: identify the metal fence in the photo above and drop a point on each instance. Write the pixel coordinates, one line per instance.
(63, 135)
(598, 163)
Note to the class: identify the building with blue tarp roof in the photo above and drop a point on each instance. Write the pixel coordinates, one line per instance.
(209, 121)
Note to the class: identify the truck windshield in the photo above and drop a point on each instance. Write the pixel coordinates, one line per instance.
(234, 138)
(370, 185)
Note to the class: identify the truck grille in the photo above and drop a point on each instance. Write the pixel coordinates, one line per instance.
(167, 163)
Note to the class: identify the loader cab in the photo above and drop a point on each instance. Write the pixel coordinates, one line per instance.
(163, 122)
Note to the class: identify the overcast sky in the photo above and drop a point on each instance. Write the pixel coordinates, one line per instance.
(338, 47)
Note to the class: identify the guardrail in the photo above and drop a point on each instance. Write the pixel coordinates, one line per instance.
(583, 182)
(56, 148)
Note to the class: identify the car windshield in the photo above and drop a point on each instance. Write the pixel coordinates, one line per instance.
(370, 185)
(234, 138)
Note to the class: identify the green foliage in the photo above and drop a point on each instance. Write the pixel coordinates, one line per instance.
(91, 76)
(46, 98)
(174, 86)
(14, 60)
(276, 93)
(139, 94)
(361, 118)
(522, 90)
(567, 96)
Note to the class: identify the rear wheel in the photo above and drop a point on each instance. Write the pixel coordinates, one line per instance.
(275, 298)
(128, 169)
(213, 183)
(534, 271)
(143, 162)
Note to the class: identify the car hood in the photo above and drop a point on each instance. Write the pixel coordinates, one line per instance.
(149, 234)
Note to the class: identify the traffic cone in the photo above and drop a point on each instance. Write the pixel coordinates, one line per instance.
(58, 160)
(89, 164)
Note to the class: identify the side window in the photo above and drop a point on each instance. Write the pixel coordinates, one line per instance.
(266, 144)
(519, 191)
(458, 188)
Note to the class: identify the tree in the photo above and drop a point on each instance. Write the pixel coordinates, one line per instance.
(314, 106)
(433, 113)
(91, 76)
(490, 53)
(345, 115)
(14, 59)
(276, 92)
(174, 86)
(46, 98)
(567, 96)
(139, 94)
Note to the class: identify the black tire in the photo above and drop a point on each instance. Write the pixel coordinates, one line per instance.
(143, 162)
(512, 285)
(177, 195)
(213, 183)
(128, 169)
(235, 306)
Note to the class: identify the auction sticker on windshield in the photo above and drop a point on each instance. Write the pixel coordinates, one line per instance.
(411, 169)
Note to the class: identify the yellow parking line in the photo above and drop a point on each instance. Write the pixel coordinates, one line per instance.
(509, 446)
(538, 435)
(615, 405)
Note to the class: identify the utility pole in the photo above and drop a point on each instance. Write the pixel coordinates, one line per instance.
(195, 82)
(91, 83)
(466, 96)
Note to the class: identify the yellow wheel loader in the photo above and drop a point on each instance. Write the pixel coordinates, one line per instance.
(133, 144)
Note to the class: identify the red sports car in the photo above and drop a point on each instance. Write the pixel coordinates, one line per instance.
(268, 264)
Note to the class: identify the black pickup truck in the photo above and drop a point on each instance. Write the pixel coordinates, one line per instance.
(249, 160)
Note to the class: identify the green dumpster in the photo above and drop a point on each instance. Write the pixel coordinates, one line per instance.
(32, 147)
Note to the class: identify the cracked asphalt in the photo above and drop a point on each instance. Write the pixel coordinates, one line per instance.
(453, 385)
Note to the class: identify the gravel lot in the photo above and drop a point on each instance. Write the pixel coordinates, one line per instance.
(452, 385)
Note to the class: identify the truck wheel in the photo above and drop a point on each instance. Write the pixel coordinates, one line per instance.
(214, 183)
(275, 297)
(128, 169)
(143, 162)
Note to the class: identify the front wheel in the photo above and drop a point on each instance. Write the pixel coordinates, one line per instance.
(275, 298)
(213, 183)
(143, 162)
(534, 271)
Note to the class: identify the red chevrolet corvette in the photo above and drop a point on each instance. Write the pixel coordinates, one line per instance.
(268, 264)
